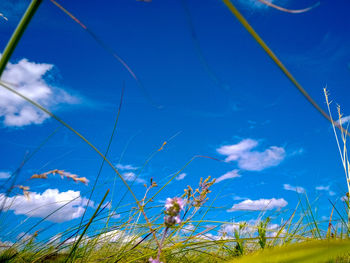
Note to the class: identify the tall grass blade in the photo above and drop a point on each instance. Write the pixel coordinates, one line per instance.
(17, 34)
(86, 227)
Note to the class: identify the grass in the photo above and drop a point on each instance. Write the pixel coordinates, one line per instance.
(176, 232)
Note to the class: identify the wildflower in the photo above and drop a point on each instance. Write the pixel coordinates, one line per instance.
(173, 207)
(151, 260)
(202, 191)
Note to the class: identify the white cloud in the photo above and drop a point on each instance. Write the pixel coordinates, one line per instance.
(25, 237)
(130, 176)
(238, 198)
(259, 205)
(5, 244)
(250, 160)
(229, 229)
(322, 188)
(326, 189)
(298, 189)
(5, 175)
(249, 228)
(118, 236)
(41, 205)
(116, 216)
(188, 228)
(259, 5)
(84, 241)
(181, 176)
(28, 78)
(343, 120)
(255, 3)
(128, 167)
(228, 175)
(56, 239)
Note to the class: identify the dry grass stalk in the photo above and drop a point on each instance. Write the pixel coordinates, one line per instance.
(25, 190)
(63, 174)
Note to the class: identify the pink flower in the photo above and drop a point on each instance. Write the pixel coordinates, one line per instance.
(151, 260)
(173, 207)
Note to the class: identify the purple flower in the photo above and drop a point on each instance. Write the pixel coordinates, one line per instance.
(173, 207)
(151, 260)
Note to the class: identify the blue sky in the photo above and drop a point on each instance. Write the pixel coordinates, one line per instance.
(242, 110)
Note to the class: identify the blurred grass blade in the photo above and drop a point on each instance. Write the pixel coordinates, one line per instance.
(273, 56)
(17, 34)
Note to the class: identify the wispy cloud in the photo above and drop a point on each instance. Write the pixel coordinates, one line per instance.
(5, 175)
(298, 189)
(326, 189)
(251, 160)
(181, 176)
(228, 175)
(129, 167)
(29, 79)
(131, 176)
(239, 198)
(41, 205)
(259, 205)
(343, 120)
(255, 4)
(116, 216)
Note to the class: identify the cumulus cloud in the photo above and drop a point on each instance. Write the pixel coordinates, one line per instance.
(229, 229)
(131, 176)
(118, 236)
(298, 189)
(259, 205)
(251, 160)
(5, 175)
(247, 228)
(326, 189)
(228, 175)
(28, 78)
(181, 176)
(41, 205)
